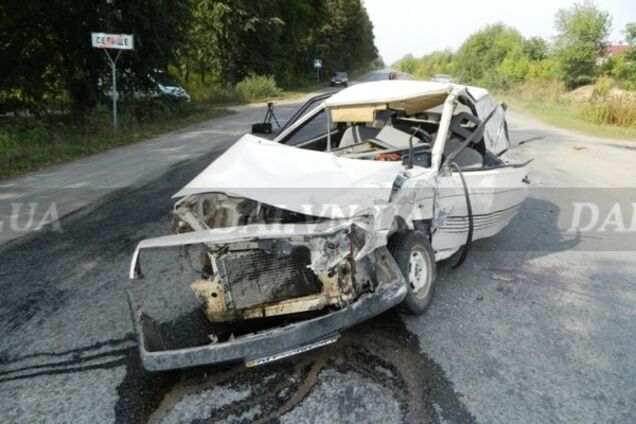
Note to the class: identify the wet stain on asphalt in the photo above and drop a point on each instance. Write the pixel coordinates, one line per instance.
(381, 350)
(140, 391)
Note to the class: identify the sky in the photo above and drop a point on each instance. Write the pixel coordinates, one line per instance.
(422, 26)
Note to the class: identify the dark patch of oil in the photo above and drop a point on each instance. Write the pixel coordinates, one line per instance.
(380, 349)
(140, 391)
(190, 329)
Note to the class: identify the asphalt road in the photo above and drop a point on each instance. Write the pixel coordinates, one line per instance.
(537, 326)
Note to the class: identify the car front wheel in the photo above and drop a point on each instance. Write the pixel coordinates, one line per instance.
(414, 255)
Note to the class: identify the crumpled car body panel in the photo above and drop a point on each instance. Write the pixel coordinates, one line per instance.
(301, 235)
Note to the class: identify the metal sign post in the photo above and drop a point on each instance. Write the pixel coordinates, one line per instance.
(118, 42)
(317, 66)
(113, 70)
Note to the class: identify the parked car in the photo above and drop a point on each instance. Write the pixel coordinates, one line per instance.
(441, 78)
(339, 218)
(339, 79)
(167, 87)
(159, 85)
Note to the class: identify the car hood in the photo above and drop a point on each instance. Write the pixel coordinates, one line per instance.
(299, 180)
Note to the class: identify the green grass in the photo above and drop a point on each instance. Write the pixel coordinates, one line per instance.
(566, 116)
(27, 144)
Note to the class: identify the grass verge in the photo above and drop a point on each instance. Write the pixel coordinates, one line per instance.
(567, 117)
(27, 144)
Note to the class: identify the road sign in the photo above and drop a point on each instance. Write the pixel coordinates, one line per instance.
(119, 42)
(317, 66)
(112, 41)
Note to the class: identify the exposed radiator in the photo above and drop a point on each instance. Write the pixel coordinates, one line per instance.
(256, 277)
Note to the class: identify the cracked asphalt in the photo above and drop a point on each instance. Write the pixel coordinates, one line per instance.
(538, 325)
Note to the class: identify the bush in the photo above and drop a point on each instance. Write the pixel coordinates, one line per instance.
(211, 90)
(484, 51)
(514, 67)
(543, 70)
(615, 110)
(256, 87)
(602, 88)
(494, 80)
(623, 71)
(544, 91)
(253, 87)
(222, 94)
(583, 28)
(609, 105)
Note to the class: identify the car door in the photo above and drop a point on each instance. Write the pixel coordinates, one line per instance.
(495, 189)
(495, 197)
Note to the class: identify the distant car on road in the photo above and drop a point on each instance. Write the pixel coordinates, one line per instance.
(442, 78)
(340, 79)
(399, 76)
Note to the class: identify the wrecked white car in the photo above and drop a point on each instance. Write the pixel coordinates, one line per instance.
(339, 218)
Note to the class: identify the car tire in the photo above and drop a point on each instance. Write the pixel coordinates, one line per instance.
(346, 84)
(414, 256)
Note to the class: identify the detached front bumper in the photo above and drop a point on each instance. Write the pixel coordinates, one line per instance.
(268, 345)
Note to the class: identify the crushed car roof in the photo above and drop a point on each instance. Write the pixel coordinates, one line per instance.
(379, 92)
(396, 91)
(360, 101)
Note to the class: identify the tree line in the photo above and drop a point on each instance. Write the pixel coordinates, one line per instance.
(498, 56)
(48, 59)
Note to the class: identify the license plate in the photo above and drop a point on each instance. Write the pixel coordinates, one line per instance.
(304, 348)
